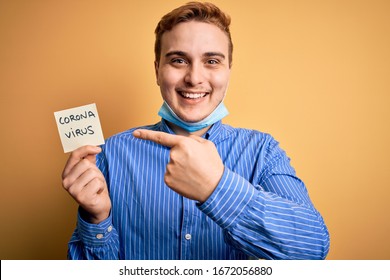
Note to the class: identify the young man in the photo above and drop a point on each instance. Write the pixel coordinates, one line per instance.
(190, 187)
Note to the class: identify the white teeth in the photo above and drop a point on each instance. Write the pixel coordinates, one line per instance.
(193, 95)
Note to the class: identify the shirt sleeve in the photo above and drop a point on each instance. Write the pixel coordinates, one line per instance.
(94, 241)
(272, 217)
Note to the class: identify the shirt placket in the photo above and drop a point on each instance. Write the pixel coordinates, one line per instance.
(188, 229)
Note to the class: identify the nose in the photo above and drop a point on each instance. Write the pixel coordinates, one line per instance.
(195, 75)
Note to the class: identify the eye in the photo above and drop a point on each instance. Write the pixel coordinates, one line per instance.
(178, 61)
(212, 61)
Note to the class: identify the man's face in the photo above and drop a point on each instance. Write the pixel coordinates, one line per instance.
(193, 71)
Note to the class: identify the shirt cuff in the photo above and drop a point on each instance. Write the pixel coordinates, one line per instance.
(229, 199)
(94, 234)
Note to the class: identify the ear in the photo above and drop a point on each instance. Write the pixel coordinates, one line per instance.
(156, 66)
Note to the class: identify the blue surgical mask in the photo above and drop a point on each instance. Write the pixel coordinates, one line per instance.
(218, 114)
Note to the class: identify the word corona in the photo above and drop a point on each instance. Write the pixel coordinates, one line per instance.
(78, 117)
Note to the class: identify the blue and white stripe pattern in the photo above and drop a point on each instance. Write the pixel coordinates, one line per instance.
(260, 209)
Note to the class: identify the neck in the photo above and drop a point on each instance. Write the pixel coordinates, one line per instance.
(180, 131)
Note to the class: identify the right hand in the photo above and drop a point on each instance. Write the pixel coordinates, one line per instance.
(83, 180)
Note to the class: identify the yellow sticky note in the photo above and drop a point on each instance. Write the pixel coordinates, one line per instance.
(79, 126)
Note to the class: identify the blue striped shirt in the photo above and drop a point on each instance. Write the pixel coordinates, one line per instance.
(259, 208)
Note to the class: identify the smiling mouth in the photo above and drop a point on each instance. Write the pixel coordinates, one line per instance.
(192, 95)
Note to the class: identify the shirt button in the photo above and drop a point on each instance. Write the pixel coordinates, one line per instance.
(109, 229)
(99, 236)
(187, 236)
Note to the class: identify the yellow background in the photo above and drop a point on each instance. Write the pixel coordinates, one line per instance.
(314, 74)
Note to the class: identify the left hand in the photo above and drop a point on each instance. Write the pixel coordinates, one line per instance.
(195, 167)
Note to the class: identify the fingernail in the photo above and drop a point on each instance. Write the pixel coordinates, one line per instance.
(136, 133)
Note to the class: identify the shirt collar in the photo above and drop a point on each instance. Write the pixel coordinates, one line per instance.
(214, 133)
(164, 127)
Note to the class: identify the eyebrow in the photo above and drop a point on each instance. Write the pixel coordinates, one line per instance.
(172, 53)
(212, 54)
(207, 54)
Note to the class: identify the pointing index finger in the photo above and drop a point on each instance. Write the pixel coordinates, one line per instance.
(158, 137)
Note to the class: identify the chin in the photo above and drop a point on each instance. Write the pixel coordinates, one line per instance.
(193, 119)
(190, 120)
